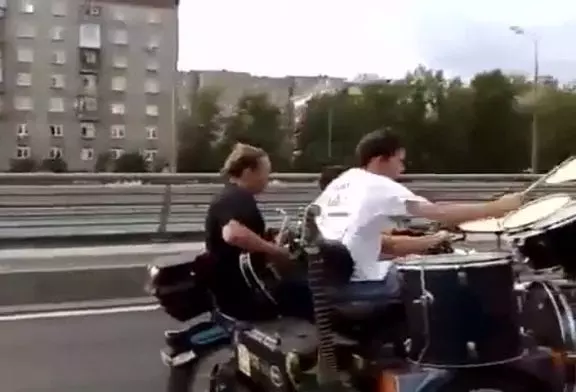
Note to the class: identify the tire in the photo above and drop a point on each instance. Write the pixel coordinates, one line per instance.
(493, 379)
(195, 376)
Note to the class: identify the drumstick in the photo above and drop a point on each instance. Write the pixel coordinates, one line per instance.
(546, 176)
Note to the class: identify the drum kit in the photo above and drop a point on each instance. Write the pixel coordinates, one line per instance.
(479, 309)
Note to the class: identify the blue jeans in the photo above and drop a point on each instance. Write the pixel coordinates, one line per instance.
(389, 288)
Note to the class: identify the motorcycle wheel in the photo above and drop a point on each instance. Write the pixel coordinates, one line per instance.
(195, 376)
(495, 379)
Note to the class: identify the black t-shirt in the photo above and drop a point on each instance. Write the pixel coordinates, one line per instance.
(233, 203)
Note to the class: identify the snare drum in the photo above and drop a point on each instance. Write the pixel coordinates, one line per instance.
(461, 310)
(525, 230)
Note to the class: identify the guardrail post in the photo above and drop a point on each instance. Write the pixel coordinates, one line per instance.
(165, 210)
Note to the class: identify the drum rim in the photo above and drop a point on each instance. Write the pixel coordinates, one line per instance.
(556, 224)
(533, 202)
(451, 267)
(499, 230)
(562, 311)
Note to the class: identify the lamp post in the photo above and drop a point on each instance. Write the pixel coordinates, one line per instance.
(534, 136)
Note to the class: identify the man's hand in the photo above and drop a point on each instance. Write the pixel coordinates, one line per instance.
(441, 236)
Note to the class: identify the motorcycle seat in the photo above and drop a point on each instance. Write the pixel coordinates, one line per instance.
(365, 310)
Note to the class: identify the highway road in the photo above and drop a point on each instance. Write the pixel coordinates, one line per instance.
(94, 353)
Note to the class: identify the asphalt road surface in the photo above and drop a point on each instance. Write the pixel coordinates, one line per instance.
(96, 353)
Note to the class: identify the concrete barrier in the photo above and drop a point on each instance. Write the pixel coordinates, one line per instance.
(53, 279)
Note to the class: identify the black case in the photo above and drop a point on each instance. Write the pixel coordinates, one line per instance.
(182, 285)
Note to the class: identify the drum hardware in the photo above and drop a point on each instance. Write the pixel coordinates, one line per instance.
(471, 348)
(462, 277)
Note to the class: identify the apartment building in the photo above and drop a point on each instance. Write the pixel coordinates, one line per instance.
(233, 85)
(82, 77)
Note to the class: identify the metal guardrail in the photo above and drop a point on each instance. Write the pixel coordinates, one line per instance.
(169, 204)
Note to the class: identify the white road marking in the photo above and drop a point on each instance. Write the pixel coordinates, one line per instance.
(78, 313)
(99, 251)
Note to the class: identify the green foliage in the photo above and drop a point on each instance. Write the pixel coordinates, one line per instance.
(448, 126)
(27, 165)
(131, 162)
(54, 165)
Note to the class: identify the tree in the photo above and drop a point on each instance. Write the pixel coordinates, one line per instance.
(257, 122)
(198, 132)
(498, 140)
(26, 165)
(104, 162)
(131, 162)
(54, 165)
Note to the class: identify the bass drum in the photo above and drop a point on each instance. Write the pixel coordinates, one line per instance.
(547, 316)
(461, 310)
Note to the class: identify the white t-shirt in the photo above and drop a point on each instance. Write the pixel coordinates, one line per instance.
(356, 207)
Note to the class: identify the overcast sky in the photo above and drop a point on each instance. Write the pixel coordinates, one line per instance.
(345, 38)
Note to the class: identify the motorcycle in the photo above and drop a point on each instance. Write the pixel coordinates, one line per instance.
(359, 346)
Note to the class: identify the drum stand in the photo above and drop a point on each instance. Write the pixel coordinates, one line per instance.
(498, 235)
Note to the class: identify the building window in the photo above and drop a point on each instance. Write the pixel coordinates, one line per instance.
(119, 37)
(23, 152)
(120, 62)
(152, 65)
(89, 104)
(23, 103)
(93, 10)
(90, 57)
(22, 130)
(56, 130)
(57, 81)
(152, 110)
(87, 130)
(119, 83)
(152, 86)
(150, 155)
(118, 131)
(151, 133)
(26, 31)
(24, 79)
(116, 153)
(57, 33)
(117, 108)
(118, 14)
(87, 154)
(59, 57)
(56, 104)
(153, 43)
(56, 152)
(59, 8)
(27, 6)
(154, 17)
(89, 83)
(25, 55)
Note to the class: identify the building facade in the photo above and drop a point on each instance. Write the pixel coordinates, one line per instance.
(82, 77)
(233, 85)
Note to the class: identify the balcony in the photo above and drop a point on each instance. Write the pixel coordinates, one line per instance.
(89, 60)
(86, 108)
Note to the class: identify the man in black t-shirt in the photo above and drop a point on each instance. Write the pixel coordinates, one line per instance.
(234, 224)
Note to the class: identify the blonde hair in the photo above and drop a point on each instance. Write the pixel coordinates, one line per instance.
(242, 157)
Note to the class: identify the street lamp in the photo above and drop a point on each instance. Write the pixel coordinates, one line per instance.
(534, 137)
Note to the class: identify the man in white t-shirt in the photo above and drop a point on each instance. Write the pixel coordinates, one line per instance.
(365, 202)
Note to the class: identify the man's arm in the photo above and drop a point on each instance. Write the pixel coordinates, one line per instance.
(235, 233)
(457, 213)
(235, 217)
(402, 245)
